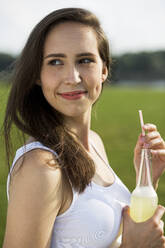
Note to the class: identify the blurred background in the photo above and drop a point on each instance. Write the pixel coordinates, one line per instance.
(135, 30)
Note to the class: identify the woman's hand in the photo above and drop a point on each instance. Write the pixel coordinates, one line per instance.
(156, 144)
(148, 234)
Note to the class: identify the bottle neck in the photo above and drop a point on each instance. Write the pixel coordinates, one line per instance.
(144, 178)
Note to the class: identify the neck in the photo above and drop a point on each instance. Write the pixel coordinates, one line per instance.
(80, 126)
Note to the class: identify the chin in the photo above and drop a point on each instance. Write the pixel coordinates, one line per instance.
(73, 114)
(76, 113)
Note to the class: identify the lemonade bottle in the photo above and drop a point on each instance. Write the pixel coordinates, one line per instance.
(144, 199)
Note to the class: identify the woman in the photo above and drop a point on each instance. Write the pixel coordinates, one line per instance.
(61, 190)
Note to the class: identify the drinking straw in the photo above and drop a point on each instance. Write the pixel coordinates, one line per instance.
(144, 160)
(141, 166)
(141, 122)
(147, 166)
(144, 154)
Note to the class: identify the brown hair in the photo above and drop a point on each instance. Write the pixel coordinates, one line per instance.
(31, 113)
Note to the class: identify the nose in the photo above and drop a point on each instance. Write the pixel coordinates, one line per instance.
(72, 75)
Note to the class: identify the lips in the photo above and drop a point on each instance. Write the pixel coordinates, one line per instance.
(73, 95)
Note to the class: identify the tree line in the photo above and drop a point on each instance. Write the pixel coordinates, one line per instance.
(142, 66)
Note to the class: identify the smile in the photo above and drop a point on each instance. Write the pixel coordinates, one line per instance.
(73, 95)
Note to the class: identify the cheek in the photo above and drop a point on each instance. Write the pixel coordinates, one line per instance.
(48, 93)
(93, 74)
(98, 84)
(96, 80)
(48, 74)
(95, 88)
(48, 81)
(47, 87)
(99, 89)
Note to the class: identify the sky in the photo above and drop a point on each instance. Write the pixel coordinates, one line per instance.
(131, 25)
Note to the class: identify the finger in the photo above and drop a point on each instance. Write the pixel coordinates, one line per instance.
(126, 213)
(152, 135)
(127, 220)
(159, 212)
(160, 152)
(156, 143)
(161, 225)
(149, 127)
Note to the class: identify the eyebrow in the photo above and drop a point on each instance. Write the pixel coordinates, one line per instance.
(62, 55)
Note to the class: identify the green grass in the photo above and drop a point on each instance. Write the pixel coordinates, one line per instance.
(4, 91)
(115, 118)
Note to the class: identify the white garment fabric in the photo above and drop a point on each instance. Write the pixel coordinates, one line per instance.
(93, 220)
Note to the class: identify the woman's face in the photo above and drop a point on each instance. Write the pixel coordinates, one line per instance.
(72, 71)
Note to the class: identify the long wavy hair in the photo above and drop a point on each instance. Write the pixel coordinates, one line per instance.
(28, 109)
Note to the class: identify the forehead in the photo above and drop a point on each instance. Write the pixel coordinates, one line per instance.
(71, 36)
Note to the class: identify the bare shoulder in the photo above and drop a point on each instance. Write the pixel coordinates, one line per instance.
(35, 199)
(38, 168)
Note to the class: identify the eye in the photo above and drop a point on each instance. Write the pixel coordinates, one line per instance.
(55, 62)
(86, 61)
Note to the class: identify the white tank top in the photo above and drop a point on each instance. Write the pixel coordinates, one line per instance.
(93, 220)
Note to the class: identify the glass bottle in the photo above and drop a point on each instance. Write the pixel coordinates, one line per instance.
(144, 199)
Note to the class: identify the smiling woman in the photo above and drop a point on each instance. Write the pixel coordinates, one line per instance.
(75, 74)
(60, 186)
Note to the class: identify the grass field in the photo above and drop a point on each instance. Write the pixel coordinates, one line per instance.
(115, 118)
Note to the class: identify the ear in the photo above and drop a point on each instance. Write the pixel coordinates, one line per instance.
(104, 72)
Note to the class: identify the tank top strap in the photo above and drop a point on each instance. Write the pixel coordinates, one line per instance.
(98, 153)
(106, 162)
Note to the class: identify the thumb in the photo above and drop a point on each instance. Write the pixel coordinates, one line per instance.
(127, 222)
(126, 215)
(159, 212)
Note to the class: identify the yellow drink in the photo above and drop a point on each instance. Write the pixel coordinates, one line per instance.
(144, 202)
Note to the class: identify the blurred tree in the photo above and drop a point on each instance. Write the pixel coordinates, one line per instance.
(146, 66)
(5, 61)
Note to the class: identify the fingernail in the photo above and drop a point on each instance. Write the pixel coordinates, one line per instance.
(125, 209)
(154, 152)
